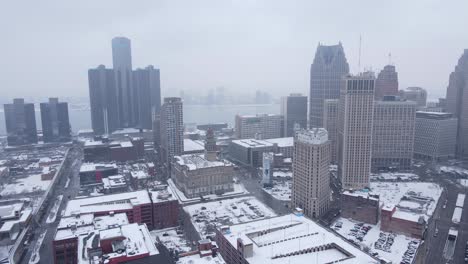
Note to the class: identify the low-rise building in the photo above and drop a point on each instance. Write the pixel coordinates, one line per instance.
(250, 151)
(130, 149)
(155, 208)
(360, 206)
(195, 175)
(193, 146)
(87, 238)
(286, 239)
(14, 216)
(435, 135)
(399, 221)
(93, 173)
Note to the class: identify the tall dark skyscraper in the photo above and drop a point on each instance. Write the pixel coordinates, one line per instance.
(122, 62)
(326, 79)
(20, 123)
(146, 85)
(294, 111)
(171, 129)
(55, 121)
(103, 100)
(386, 82)
(457, 102)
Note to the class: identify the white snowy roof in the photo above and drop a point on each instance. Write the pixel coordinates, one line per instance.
(252, 143)
(197, 259)
(408, 216)
(198, 161)
(365, 195)
(193, 145)
(107, 203)
(313, 136)
(86, 167)
(163, 194)
(282, 142)
(114, 181)
(275, 238)
(139, 174)
(126, 144)
(460, 200)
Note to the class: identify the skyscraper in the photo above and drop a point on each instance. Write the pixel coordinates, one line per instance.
(356, 113)
(172, 129)
(122, 62)
(55, 121)
(330, 123)
(260, 126)
(311, 181)
(457, 102)
(393, 133)
(386, 82)
(146, 84)
(294, 111)
(103, 100)
(326, 78)
(20, 121)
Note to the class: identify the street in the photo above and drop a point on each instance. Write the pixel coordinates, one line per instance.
(68, 192)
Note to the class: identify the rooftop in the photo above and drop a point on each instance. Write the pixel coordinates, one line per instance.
(293, 239)
(198, 161)
(433, 115)
(87, 167)
(197, 259)
(193, 145)
(313, 136)
(282, 142)
(107, 203)
(252, 143)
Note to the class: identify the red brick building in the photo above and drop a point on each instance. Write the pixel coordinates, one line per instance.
(360, 206)
(398, 221)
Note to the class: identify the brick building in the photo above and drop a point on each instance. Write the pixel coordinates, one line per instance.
(399, 221)
(363, 207)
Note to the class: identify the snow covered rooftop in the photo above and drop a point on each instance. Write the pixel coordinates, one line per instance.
(107, 203)
(365, 195)
(197, 259)
(87, 167)
(252, 143)
(282, 142)
(198, 161)
(293, 239)
(193, 145)
(162, 193)
(114, 181)
(313, 136)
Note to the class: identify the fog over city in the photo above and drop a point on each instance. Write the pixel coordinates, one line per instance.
(240, 45)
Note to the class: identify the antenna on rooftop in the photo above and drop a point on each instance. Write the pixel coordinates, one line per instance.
(359, 60)
(390, 58)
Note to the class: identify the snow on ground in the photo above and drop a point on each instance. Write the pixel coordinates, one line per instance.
(393, 176)
(282, 173)
(463, 182)
(53, 212)
(391, 193)
(171, 239)
(206, 217)
(31, 183)
(392, 248)
(196, 259)
(454, 169)
(35, 257)
(239, 189)
(281, 190)
(67, 183)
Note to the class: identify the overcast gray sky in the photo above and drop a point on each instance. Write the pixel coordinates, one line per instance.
(48, 46)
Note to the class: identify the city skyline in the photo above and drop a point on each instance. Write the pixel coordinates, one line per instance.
(227, 53)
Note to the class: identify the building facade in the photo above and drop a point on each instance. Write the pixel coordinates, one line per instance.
(356, 114)
(197, 176)
(416, 94)
(55, 121)
(261, 126)
(20, 123)
(457, 102)
(326, 78)
(146, 84)
(250, 151)
(103, 100)
(362, 207)
(311, 181)
(171, 129)
(330, 123)
(294, 111)
(386, 82)
(435, 135)
(393, 133)
(122, 63)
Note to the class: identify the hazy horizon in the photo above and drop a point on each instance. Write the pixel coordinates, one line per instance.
(240, 45)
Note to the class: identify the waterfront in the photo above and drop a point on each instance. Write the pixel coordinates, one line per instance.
(200, 114)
